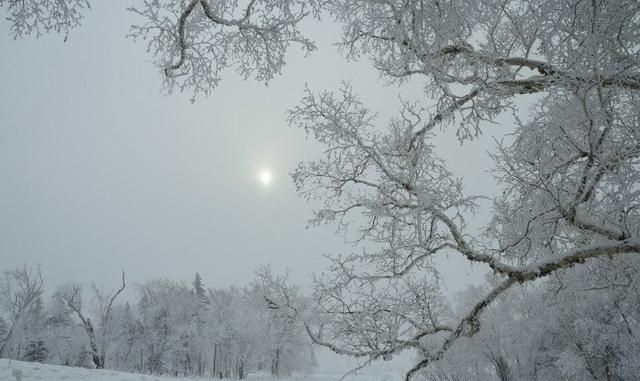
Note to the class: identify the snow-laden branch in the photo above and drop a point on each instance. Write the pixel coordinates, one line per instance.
(38, 17)
(194, 41)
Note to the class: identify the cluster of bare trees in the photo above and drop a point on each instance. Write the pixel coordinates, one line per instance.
(568, 173)
(172, 329)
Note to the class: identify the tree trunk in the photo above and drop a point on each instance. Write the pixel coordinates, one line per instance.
(275, 365)
(241, 374)
(215, 360)
(98, 359)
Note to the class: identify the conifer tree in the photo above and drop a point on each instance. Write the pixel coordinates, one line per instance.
(199, 290)
(36, 351)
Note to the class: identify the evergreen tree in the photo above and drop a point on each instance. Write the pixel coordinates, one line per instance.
(36, 351)
(199, 290)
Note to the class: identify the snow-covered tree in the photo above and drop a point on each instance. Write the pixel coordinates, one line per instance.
(569, 177)
(62, 337)
(287, 345)
(200, 341)
(199, 289)
(98, 335)
(20, 302)
(239, 335)
(169, 327)
(107, 326)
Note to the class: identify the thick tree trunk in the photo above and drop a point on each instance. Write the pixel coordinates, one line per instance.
(97, 358)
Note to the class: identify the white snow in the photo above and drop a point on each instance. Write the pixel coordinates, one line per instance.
(12, 370)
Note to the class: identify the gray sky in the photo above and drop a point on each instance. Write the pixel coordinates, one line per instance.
(100, 171)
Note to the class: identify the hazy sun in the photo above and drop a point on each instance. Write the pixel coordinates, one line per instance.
(265, 177)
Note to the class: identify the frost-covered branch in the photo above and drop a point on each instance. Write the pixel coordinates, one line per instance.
(194, 41)
(37, 17)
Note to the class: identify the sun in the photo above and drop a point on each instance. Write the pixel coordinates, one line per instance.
(265, 177)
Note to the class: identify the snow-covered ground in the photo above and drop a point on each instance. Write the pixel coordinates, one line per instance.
(27, 371)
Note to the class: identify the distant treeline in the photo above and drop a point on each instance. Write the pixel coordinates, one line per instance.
(173, 328)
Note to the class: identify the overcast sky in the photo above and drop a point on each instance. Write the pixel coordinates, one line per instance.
(100, 171)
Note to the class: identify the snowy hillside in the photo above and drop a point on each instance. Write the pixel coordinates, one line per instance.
(28, 371)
